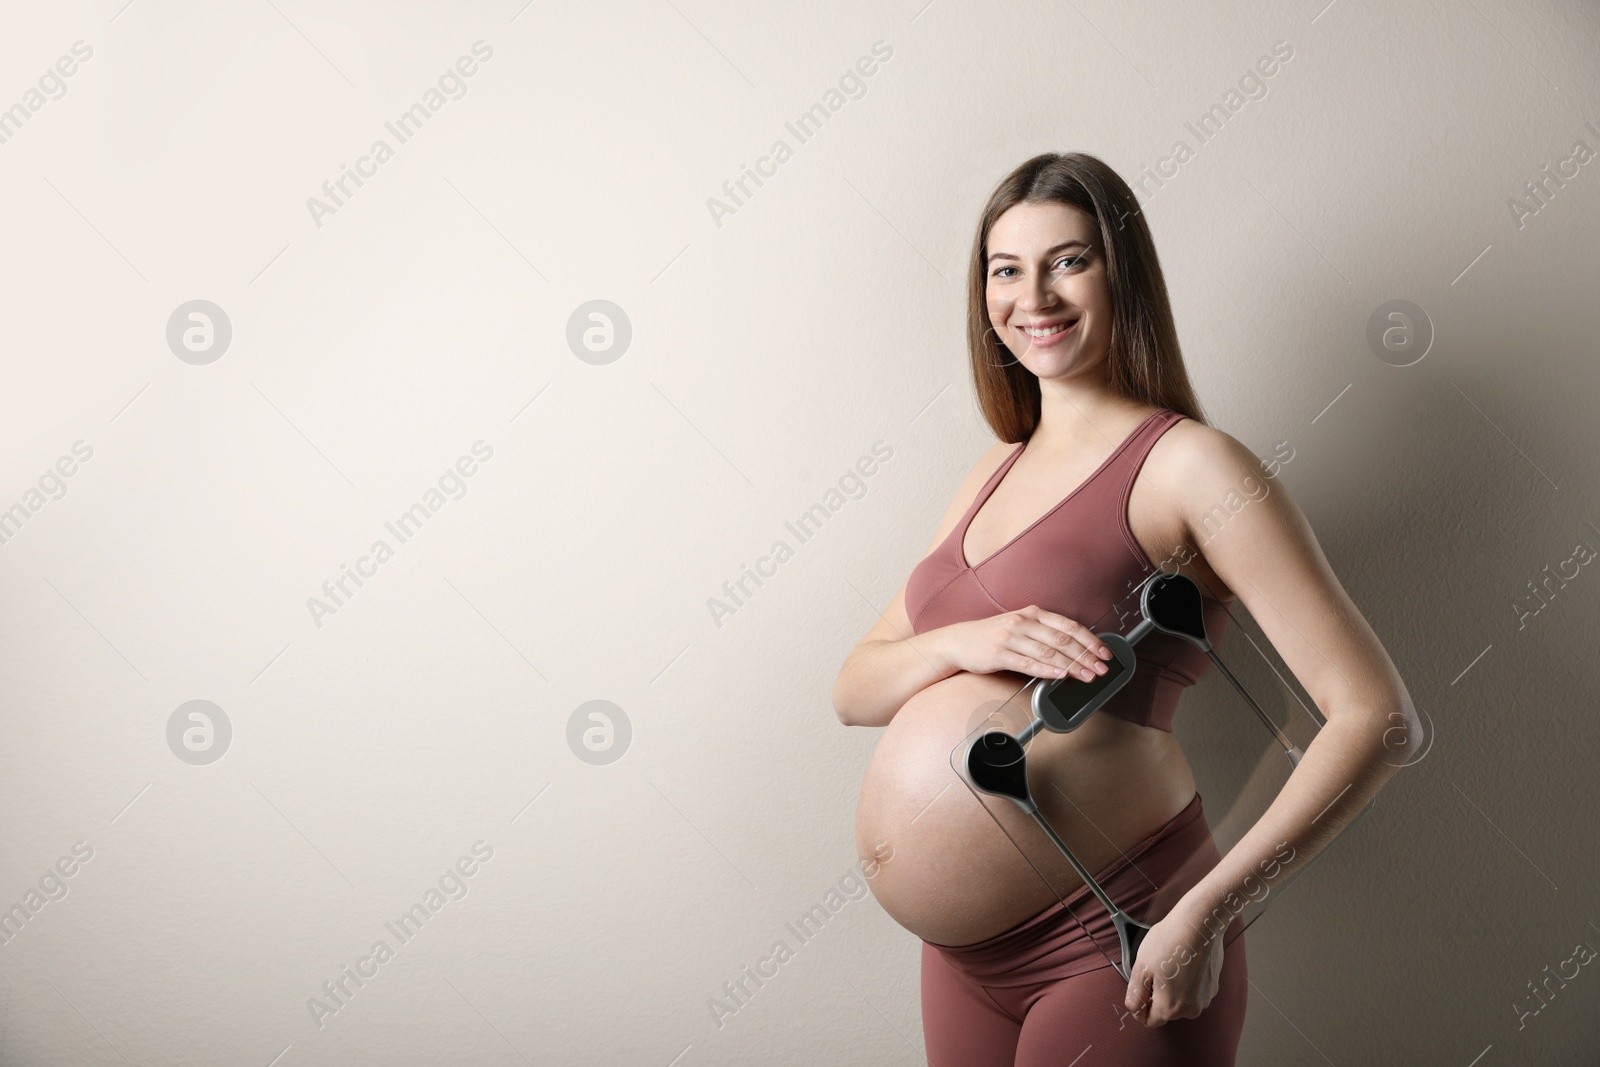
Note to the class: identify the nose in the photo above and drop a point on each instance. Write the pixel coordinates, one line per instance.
(1037, 294)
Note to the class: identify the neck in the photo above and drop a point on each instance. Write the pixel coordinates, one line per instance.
(1077, 416)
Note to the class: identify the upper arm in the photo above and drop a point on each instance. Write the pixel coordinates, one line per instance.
(894, 624)
(1268, 555)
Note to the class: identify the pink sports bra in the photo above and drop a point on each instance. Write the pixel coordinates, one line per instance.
(1078, 559)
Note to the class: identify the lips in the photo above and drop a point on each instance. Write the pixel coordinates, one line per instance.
(1068, 323)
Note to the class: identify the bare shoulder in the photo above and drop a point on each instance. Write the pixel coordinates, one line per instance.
(1191, 446)
(1197, 464)
(1215, 469)
(966, 492)
(986, 465)
(1194, 479)
(893, 623)
(1254, 537)
(981, 471)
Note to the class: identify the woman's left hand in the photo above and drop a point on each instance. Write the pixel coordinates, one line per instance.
(1175, 972)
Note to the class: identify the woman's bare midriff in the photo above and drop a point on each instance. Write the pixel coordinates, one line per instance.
(953, 877)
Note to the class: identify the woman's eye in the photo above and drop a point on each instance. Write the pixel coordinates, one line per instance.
(1070, 261)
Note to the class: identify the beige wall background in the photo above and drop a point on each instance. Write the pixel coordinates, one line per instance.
(174, 511)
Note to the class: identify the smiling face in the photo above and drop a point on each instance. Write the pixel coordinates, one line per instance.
(1046, 288)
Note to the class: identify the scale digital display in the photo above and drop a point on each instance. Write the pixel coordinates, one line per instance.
(1064, 703)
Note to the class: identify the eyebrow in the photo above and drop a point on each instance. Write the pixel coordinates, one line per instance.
(1048, 251)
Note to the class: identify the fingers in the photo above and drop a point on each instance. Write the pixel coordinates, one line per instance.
(1078, 632)
(1140, 983)
(1060, 642)
(1153, 1007)
(1047, 658)
(1023, 663)
(1160, 1007)
(1157, 1010)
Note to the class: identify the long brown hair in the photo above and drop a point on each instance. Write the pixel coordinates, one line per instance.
(1144, 362)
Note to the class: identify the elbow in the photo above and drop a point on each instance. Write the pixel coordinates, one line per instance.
(841, 702)
(1390, 734)
(1405, 739)
(848, 707)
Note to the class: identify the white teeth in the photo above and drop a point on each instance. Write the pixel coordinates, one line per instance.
(1051, 332)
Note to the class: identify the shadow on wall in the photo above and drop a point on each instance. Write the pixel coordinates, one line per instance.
(1456, 515)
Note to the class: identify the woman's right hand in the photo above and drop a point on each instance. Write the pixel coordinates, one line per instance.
(1031, 641)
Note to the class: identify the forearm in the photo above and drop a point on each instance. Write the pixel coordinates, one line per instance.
(1342, 769)
(880, 676)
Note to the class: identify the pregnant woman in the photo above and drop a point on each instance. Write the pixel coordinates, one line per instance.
(1105, 467)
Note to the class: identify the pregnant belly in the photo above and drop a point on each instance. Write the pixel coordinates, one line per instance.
(955, 871)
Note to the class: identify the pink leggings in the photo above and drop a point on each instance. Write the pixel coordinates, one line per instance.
(1042, 994)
